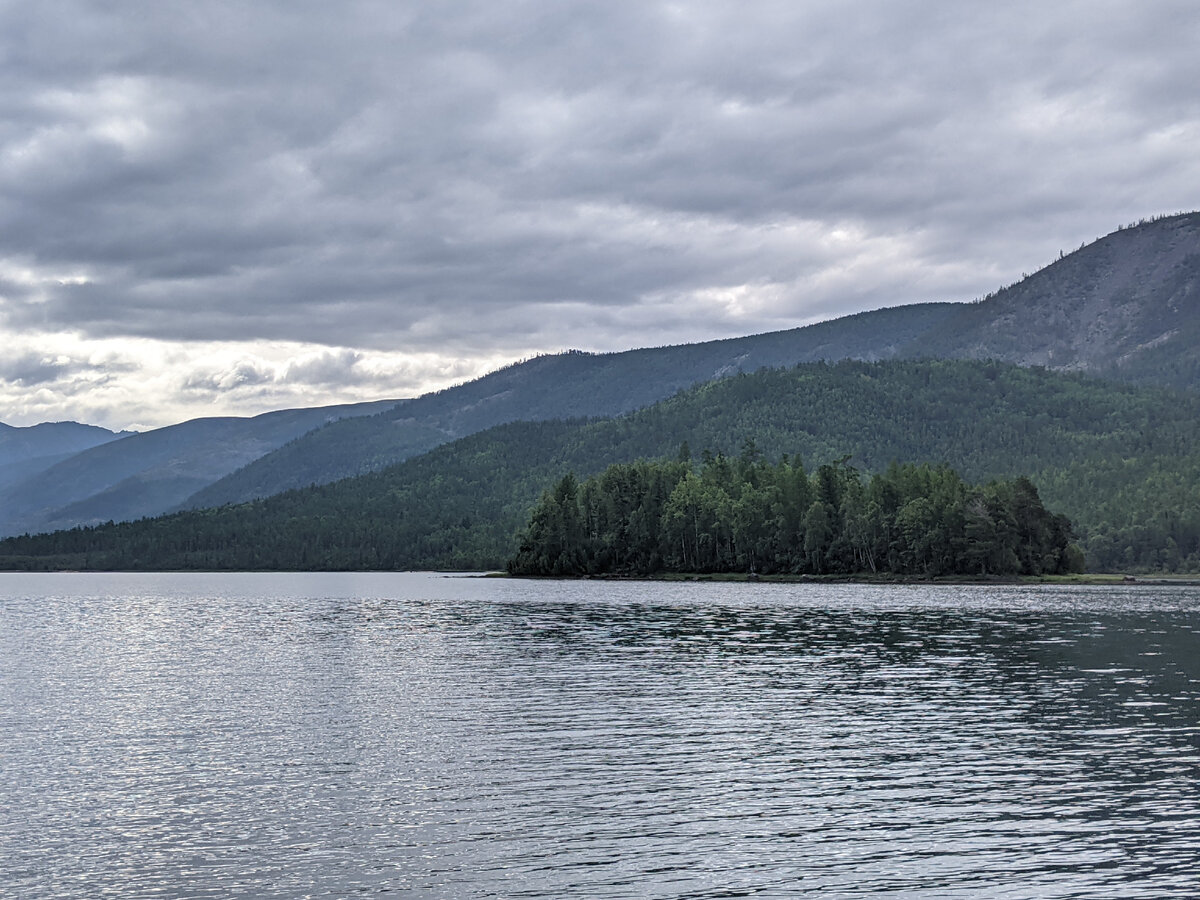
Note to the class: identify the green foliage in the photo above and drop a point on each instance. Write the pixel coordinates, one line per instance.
(645, 517)
(553, 387)
(1122, 462)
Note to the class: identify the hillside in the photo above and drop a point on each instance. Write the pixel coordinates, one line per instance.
(1120, 460)
(25, 451)
(564, 385)
(1124, 306)
(20, 444)
(151, 472)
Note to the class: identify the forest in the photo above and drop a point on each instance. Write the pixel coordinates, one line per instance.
(1121, 462)
(745, 515)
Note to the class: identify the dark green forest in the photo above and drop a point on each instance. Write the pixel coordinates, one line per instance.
(563, 385)
(744, 515)
(1120, 461)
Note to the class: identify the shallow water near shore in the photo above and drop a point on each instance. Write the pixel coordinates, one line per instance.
(332, 735)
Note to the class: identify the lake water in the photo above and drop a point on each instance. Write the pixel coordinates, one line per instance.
(424, 736)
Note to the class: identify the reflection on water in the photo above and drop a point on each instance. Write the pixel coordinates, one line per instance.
(288, 736)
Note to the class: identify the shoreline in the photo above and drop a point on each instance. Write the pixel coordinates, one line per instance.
(1088, 578)
(746, 577)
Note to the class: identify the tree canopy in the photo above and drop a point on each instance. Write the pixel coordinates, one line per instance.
(744, 515)
(1121, 462)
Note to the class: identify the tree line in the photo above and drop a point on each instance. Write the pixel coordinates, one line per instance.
(746, 515)
(1121, 461)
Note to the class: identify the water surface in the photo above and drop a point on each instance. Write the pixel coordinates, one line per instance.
(422, 736)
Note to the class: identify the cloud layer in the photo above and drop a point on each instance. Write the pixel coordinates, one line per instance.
(225, 206)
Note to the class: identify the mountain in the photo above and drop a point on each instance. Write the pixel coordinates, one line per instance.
(126, 477)
(19, 444)
(25, 451)
(564, 385)
(1121, 460)
(1125, 306)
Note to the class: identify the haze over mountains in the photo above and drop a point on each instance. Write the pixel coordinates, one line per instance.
(50, 439)
(126, 476)
(26, 451)
(1125, 306)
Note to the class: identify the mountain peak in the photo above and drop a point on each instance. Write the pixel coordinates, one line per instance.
(1126, 305)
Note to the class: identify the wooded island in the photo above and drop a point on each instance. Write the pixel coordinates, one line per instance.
(746, 515)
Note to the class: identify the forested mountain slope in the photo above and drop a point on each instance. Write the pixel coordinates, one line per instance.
(1120, 460)
(1125, 306)
(151, 472)
(564, 385)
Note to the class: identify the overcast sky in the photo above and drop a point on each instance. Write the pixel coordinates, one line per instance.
(215, 208)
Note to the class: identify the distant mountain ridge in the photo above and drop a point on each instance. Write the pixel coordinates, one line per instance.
(1122, 461)
(564, 385)
(135, 475)
(23, 443)
(27, 450)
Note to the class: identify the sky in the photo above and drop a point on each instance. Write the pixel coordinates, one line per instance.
(222, 208)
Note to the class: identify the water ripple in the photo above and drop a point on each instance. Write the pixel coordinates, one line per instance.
(338, 735)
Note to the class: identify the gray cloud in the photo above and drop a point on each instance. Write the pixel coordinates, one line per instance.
(474, 178)
(30, 369)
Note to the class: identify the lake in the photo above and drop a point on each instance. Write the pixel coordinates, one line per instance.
(334, 735)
